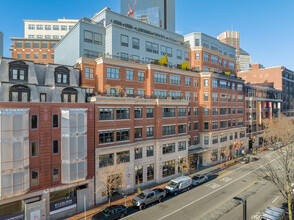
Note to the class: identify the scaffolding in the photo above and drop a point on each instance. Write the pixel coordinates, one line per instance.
(73, 144)
(14, 152)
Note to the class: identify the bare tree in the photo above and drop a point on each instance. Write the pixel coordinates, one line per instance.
(239, 145)
(111, 178)
(280, 170)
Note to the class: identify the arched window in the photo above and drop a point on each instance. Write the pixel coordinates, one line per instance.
(19, 93)
(18, 71)
(69, 95)
(61, 75)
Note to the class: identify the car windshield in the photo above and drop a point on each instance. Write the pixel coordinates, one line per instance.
(171, 184)
(196, 177)
(106, 211)
(141, 195)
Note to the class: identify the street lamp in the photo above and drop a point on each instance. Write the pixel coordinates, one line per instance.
(244, 201)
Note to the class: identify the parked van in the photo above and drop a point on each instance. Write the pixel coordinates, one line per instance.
(177, 185)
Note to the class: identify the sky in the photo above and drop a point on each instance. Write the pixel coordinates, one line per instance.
(266, 26)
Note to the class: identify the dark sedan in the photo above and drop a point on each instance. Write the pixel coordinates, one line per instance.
(111, 212)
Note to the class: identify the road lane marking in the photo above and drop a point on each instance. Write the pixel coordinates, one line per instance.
(275, 199)
(214, 191)
(226, 179)
(213, 185)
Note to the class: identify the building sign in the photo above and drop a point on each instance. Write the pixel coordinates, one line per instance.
(270, 110)
(259, 113)
(63, 205)
(15, 216)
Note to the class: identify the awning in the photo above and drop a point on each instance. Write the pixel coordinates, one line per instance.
(198, 150)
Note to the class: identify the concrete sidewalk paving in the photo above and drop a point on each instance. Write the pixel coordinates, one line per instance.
(127, 202)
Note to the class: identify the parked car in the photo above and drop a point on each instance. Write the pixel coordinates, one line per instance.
(177, 185)
(111, 212)
(147, 197)
(246, 160)
(276, 146)
(197, 179)
(273, 213)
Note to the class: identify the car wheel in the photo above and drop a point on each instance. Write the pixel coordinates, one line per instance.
(161, 199)
(122, 215)
(188, 188)
(176, 193)
(142, 206)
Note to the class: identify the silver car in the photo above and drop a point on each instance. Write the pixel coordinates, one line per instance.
(197, 179)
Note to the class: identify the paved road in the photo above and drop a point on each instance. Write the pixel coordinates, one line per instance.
(205, 198)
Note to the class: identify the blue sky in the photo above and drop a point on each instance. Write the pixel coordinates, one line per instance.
(266, 27)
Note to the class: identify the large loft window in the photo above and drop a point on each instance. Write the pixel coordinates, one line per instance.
(19, 93)
(69, 95)
(61, 75)
(18, 71)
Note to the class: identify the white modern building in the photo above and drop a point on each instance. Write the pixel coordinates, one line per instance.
(160, 13)
(1, 44)
(244, 60)
(116, 36)
(48, 29)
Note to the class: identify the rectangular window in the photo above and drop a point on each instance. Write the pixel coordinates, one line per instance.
(55, 173)
(138, 133)
(139, 174)
(188, 81)
(150, 172)
(168, 130)
(43, 97)
(130, 75)
(168, 168)
(123, 157)
(31, 27)
(195, 128)
(223, 138)
(112, 73)
(181, 129)
(175, 80)
(240, 98)
(197, 56)
(214, 97)
(222, 84)
(205, 82)
(149, 131)
(47, 27)
(206, 111)
(155, 48)
(129, 92)
(240, 110)
(148, 46)
(175, 95)
(195, 111)
(124, 40)
(168, 148)
(214, 125)
(160, 94)
(160, 78)
(214, 111)
(206, 97)
(205, 57)
(214, 59)
(106, 114)
(89, 73)
(106, 160)
(34, 177)
(34, 122)
(214, 83)
(88, 36)
(141, 77)
(55, 27)
(34, 149)
(223, 98)
(138, 153)
(181, 112)
(55, 147)
(106, 137)
(122, 113)
(55, 121)
(45, 45)
(63, 27)
(188, 96)
(44, 56)
(242, 134)
(97, 39)
(149, 112)
(223, 111)
(195, 140)
(27, 56)
(182, 146)
(39, 27)
(169, 52)
(150, 151)
(122, 135)
(179, 54)
(214, 139)
(206, 125)
(223, 124)
(168, 112)
(136, 43)
(206, 140)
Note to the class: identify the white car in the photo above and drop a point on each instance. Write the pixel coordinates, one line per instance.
(197, 179)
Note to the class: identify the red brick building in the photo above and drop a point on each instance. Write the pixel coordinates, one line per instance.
(48, 161)
(279, 78)
(37, 50)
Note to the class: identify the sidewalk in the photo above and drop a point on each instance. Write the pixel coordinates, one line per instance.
(201, 170)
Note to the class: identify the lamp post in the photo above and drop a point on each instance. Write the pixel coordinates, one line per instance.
(244, 201)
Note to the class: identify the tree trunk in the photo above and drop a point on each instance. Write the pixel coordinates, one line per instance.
(109, 199)
(289, 201)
